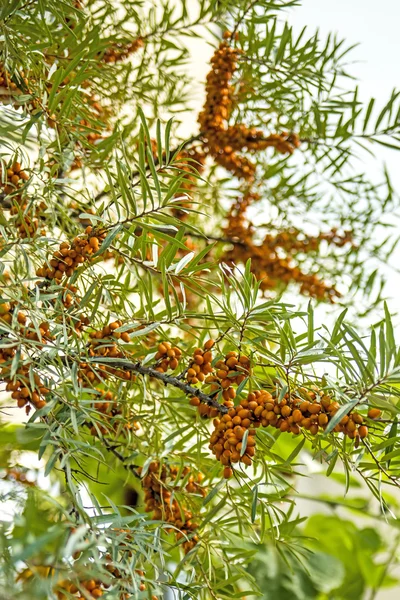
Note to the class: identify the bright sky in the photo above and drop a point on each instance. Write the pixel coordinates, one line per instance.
(374, 26)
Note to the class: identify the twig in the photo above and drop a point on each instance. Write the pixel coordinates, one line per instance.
(137, 367)
(242, 17)
(378, 464)
(121, 458)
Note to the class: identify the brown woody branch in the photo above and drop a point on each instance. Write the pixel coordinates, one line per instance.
(137, 367)
(131, 468)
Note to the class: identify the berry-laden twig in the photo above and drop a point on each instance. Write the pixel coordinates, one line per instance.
(159, 484)
(25, 385)
(224, 141)
(268, 263)
(70, 256)
(112, 414)
(137, 367)
(233, 439)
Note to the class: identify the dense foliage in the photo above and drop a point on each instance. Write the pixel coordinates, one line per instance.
(175, 397)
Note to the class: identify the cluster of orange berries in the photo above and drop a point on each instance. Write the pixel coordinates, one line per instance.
(111, 568)
(90, 588)
(159, 484)
(13, 177)
(9, 90)
(109, 407)
(233, 439)
(64, 589)
(168, 357)
(20, 386)
(274, 271)
(27, 221)
(104, 343)
(224, 141)
(6, 81)
(293, 240)
(81, 589)
(231, 371)
(42, 334)
(70, 299)
(228, 438)
(70, 256)
(17, 475)
(267, 264)
(200, 367)
(106, 332)
(91, 136)
(7, 313)
(118, 51)
(311, 411)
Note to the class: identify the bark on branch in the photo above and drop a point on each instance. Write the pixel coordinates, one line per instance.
(137, 367)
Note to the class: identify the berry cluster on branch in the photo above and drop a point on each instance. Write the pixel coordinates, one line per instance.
(159, 484)
(27, 214)
(167, 357)
(91, 588)
(200, 366)
(233, 439)
(71, 256)
(104, 343)
(113, 416)
(118, 51)
(267, 262)
(223, 141)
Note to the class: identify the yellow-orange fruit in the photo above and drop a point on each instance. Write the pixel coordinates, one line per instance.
(363, 431)
(228, 472)
(374, 413)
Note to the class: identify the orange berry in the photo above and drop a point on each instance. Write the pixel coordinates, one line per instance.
(374, 413)
(363, 431)
(228, 472)
(357, 418)
(323, 419)
(297, 415)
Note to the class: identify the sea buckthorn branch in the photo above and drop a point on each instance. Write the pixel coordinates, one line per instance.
(173, 153)
(241, 18)
(381, 469)
(123, 460)
(234, 437)
(70, 256)
(223, 141)
(160, 484)
(137, 367)
(267, 263)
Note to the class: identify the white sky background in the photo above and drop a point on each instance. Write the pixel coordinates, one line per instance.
(375, 27)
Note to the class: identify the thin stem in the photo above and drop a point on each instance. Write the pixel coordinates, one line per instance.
(242, 17)
(137, 367)
(378, 464)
